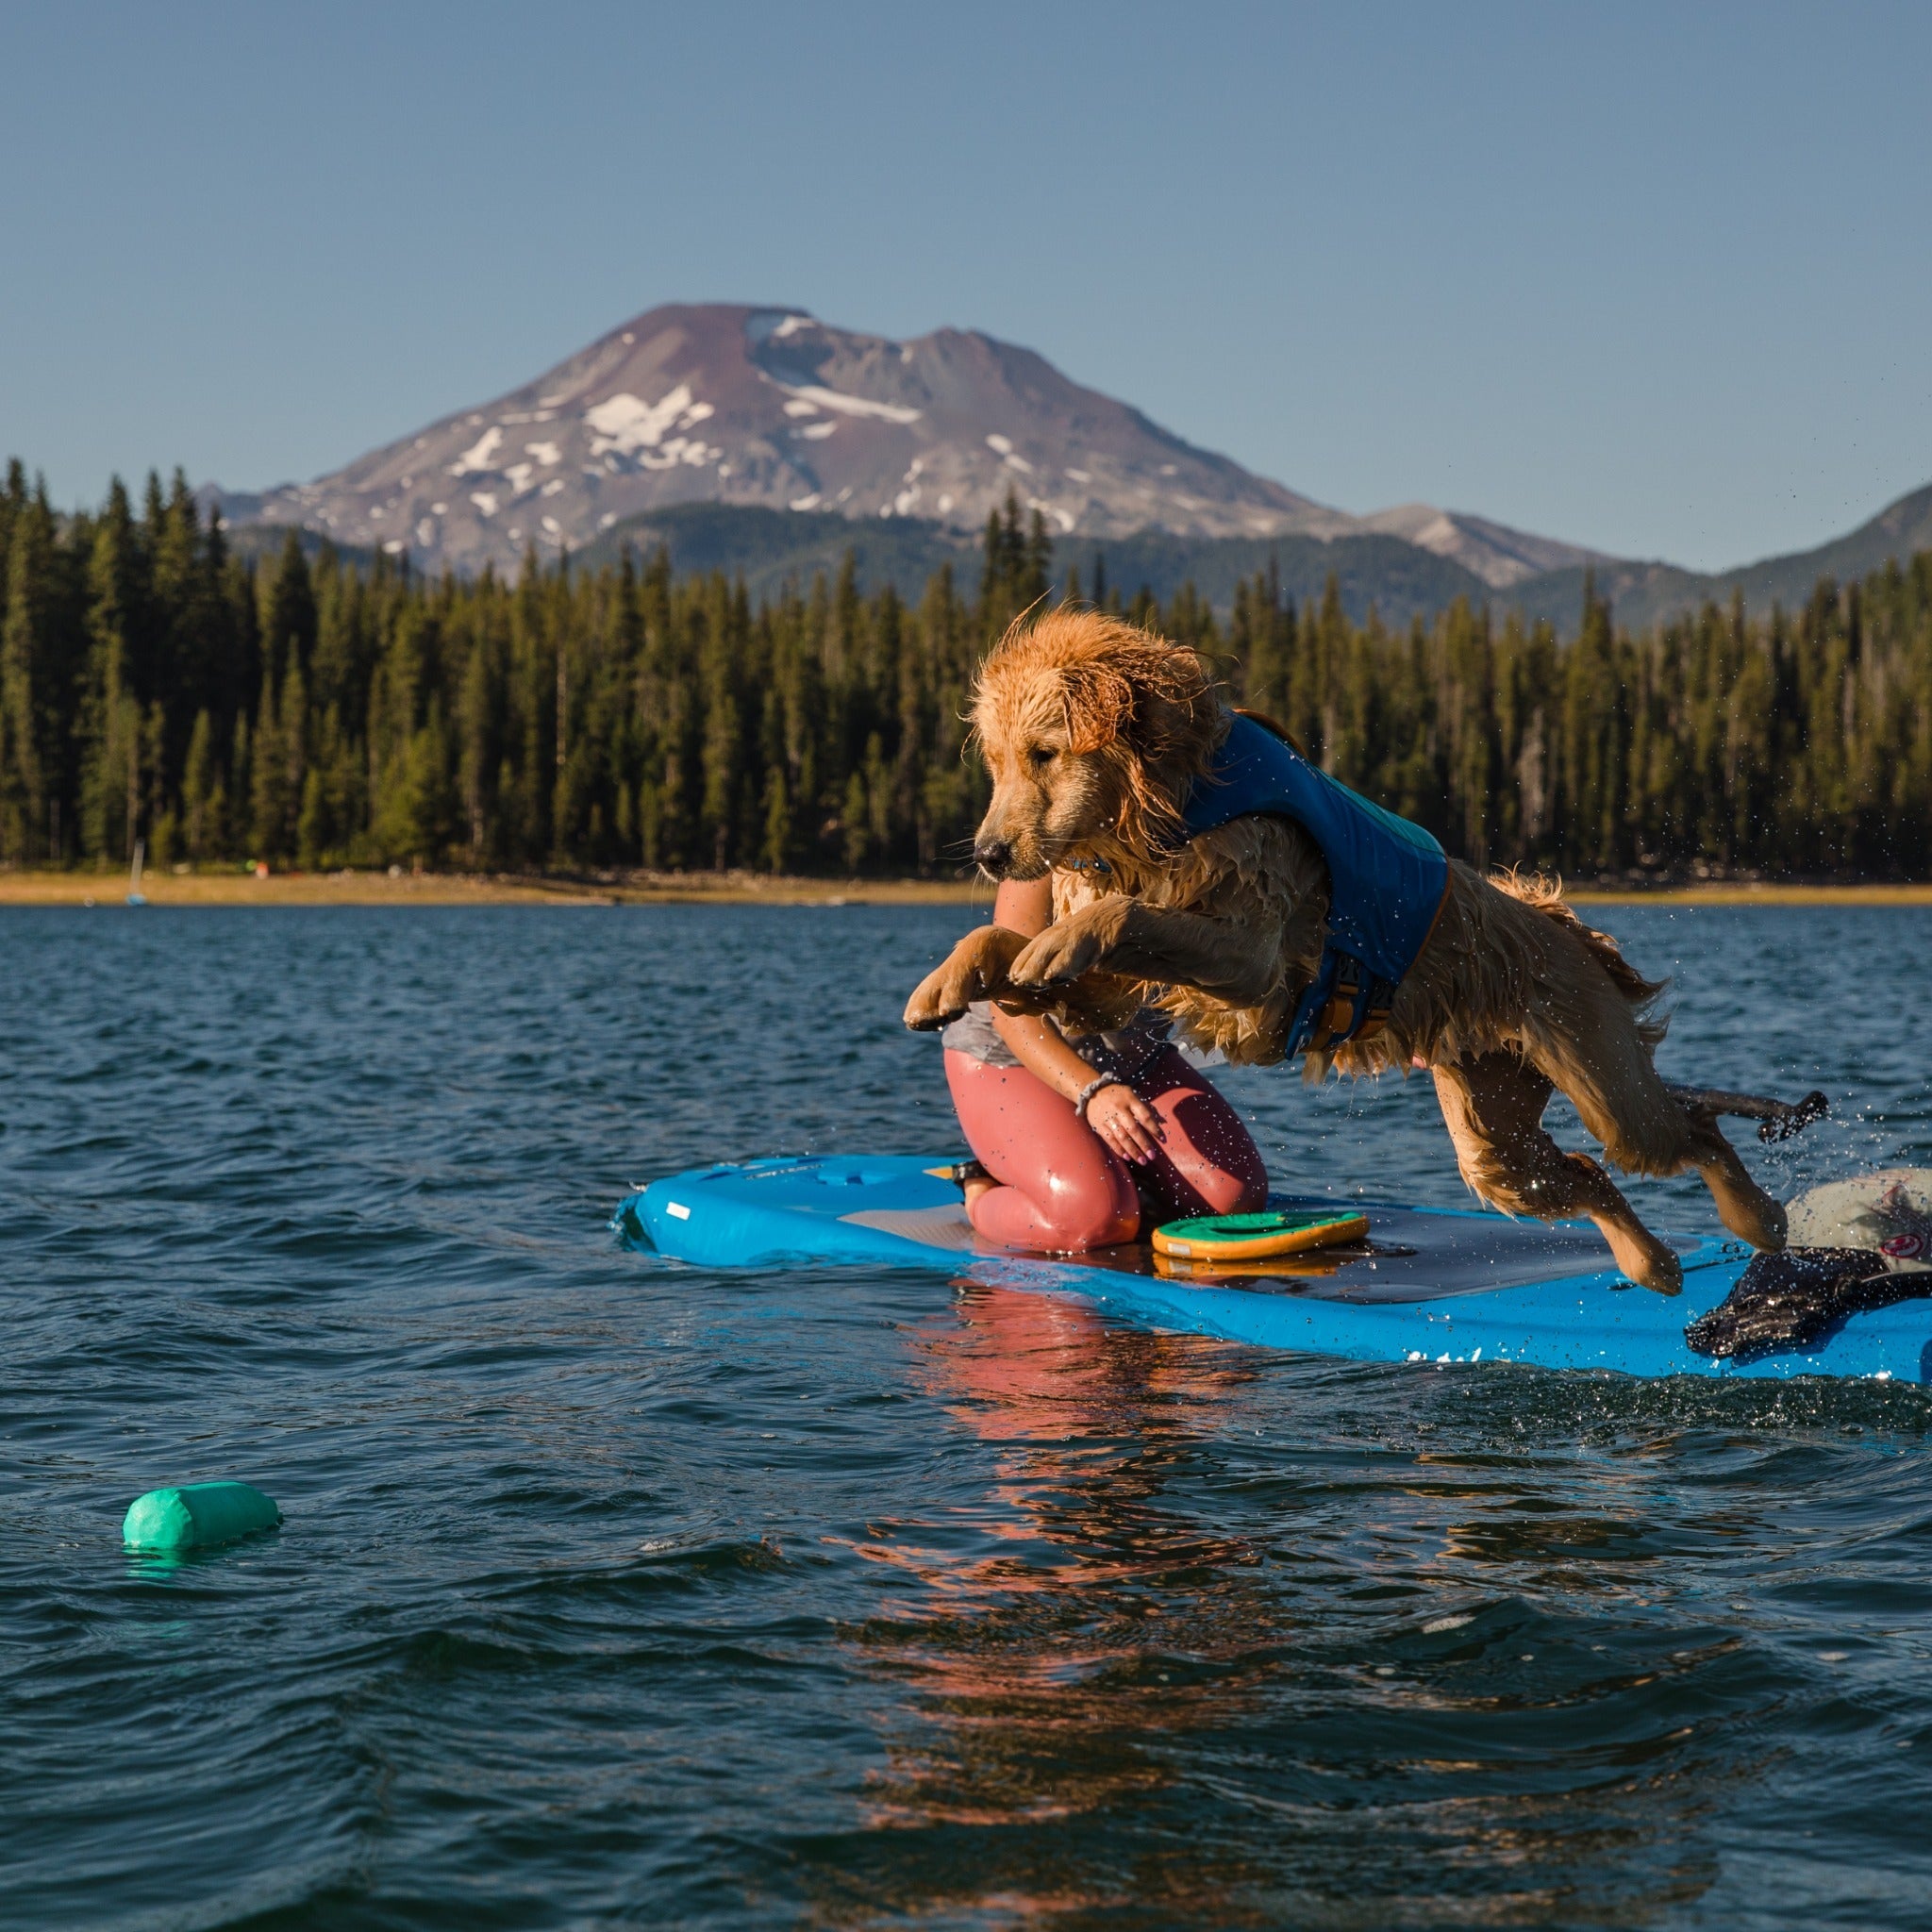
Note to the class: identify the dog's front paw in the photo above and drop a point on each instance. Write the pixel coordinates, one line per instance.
(938, 1000)
(1060, 954)
(977, 966)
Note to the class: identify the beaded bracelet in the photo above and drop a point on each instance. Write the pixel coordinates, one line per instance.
(1088, 1092)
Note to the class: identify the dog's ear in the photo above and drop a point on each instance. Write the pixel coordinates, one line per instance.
(1098, 701)
(1160, 720)
(1173, 714)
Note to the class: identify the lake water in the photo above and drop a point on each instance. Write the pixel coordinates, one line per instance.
(615, 1592)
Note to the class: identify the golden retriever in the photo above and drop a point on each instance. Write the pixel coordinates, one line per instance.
(1094, 732)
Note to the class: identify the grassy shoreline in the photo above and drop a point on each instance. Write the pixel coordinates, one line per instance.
(226, 887)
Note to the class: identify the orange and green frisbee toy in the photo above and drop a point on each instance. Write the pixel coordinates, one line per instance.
(1257, 1237)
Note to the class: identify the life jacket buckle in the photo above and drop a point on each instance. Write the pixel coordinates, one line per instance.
(1381, 1000)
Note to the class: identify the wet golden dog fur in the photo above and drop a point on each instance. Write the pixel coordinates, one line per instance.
(1093, 732)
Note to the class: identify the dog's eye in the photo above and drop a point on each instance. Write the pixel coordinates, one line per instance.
(1042, 755)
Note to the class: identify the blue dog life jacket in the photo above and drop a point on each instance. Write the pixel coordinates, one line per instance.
(1388, 879)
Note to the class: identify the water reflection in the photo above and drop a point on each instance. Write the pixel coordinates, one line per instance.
(1117, 1703)
(1059, 1631)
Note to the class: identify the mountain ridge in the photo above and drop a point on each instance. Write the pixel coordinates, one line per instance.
(772, 549)
(908, 446)
(1643, 594)
(768, 407)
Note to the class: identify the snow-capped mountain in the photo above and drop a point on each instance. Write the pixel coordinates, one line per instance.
(770, 407)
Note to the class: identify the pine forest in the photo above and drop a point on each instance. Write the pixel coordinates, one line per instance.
(311, 712)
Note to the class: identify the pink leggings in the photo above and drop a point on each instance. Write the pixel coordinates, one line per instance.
(1064, 1189)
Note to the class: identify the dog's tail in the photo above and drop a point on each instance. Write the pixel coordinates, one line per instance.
(1544, 895)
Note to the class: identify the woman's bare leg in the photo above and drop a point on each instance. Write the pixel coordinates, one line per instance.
(1207, 1162)
(1059, 1189)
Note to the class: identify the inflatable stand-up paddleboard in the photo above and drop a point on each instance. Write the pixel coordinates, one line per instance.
(1425, 1285)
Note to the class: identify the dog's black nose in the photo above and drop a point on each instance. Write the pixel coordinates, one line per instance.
(993, 855)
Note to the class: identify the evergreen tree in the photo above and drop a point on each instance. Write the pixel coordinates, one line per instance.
(155, 686)
(30, 668)
(201, 795)
(109, 750)
(288, 613)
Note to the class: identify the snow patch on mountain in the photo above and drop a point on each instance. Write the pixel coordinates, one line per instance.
(624, 423)
(476, 458)
(853, 405)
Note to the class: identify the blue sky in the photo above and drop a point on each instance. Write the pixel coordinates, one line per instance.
(1653, 278)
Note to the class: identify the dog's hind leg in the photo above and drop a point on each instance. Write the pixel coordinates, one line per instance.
(1494, 1104)
(1582, 1035)
(1742, 1206)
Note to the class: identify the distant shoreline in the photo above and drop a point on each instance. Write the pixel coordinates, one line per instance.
(231, 887)
(1736, 892)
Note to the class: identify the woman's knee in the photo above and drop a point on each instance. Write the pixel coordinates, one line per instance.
(1234, 1188)
(1212, 1151)
(1094, 1209)
(1102, 1211)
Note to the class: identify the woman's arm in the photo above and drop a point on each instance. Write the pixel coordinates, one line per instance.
(1121, 1119)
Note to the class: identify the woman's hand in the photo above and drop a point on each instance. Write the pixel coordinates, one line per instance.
(1126, 1122)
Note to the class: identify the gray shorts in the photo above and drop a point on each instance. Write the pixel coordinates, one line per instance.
(1120, 1055)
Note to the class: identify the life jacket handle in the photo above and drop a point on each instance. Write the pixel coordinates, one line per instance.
(1268, 724)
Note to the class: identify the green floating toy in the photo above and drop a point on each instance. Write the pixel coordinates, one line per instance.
(197, 1515)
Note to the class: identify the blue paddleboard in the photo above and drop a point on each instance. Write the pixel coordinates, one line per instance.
(1430, 1285)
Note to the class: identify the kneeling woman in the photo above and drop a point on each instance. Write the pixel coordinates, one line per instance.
(1085, 1143)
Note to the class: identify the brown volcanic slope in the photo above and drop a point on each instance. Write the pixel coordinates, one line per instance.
(768, 407)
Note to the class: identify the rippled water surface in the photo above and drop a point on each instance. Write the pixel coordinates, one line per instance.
(616, 1593)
